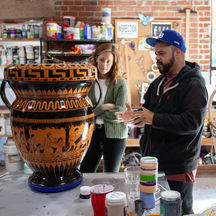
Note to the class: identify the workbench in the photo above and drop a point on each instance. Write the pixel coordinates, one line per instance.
(17, 199)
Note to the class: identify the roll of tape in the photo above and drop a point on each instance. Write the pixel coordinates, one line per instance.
(150, 76)
(154, 67)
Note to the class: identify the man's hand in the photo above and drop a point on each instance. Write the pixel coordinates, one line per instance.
(143, 116)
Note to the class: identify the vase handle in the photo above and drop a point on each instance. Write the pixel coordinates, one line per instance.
(100, 94)
(3, 95)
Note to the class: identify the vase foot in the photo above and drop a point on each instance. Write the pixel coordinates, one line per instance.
(42, 184)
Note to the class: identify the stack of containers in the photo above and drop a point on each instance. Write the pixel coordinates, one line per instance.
(13, 161)
(148, 181)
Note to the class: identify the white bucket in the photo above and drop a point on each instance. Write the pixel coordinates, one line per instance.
(13, 161)
(69, 21)
(106, 15)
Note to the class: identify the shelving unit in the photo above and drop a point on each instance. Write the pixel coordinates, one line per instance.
(19, 39)
(47, 45)
(134, 143)
(16, 41)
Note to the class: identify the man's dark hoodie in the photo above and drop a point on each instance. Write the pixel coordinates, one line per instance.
(179, 112)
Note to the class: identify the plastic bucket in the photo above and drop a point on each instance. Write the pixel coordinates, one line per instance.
(69, 21)
(106, 15)
(13, 161)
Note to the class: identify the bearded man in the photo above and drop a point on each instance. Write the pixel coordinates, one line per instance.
(173, 115)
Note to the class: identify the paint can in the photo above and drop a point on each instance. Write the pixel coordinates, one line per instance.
(170, 203)
(13, 161)
(116, 203)
(51, 30)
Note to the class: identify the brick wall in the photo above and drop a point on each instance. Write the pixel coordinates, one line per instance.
(90, 11)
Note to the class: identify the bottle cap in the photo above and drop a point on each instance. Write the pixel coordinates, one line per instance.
(170, 195)
(116, 196)
(148, 159)
(85, 190)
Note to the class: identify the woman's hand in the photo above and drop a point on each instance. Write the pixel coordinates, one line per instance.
(139, 118)
(108, 106)
(125, 116)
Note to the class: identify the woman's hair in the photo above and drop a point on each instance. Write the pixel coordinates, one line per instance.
(114, 72)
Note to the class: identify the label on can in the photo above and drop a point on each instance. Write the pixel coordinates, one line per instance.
(52, 29)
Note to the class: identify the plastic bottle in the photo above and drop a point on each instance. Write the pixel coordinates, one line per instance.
(9, 55)
(28, 33)
(87, 32)
(109, 35)
(40, 31)
(31, 31)
(24, 35)
(103, 32)
(82, 31)
(36, 31)
(21, 54)
(3, 58)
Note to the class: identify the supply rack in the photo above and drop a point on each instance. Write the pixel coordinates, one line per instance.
(47, 43)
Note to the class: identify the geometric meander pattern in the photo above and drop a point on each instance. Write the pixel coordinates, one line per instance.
(46, 73)
(50, 105)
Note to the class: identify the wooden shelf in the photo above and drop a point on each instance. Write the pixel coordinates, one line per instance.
(132, 142)
(19, 39)
(206, 169)
(4, 110)
(82, 41)
(69, 55)
(135, 142)
(9, 136)
(207, 141)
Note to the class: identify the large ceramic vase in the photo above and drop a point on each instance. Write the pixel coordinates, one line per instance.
(52, 120)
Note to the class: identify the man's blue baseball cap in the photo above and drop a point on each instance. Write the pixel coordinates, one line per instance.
(168, 36)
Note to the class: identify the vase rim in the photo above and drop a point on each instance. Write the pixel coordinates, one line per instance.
(50, 72)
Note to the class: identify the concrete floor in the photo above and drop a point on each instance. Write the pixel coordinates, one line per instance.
(204, 190)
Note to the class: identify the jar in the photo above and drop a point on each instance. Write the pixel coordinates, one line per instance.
(170, 203)
(12, 33)
(116, 203)
(18, 33)
(5, 33)
(85, 192)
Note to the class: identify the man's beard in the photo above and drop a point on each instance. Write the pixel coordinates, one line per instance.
(166, 67)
